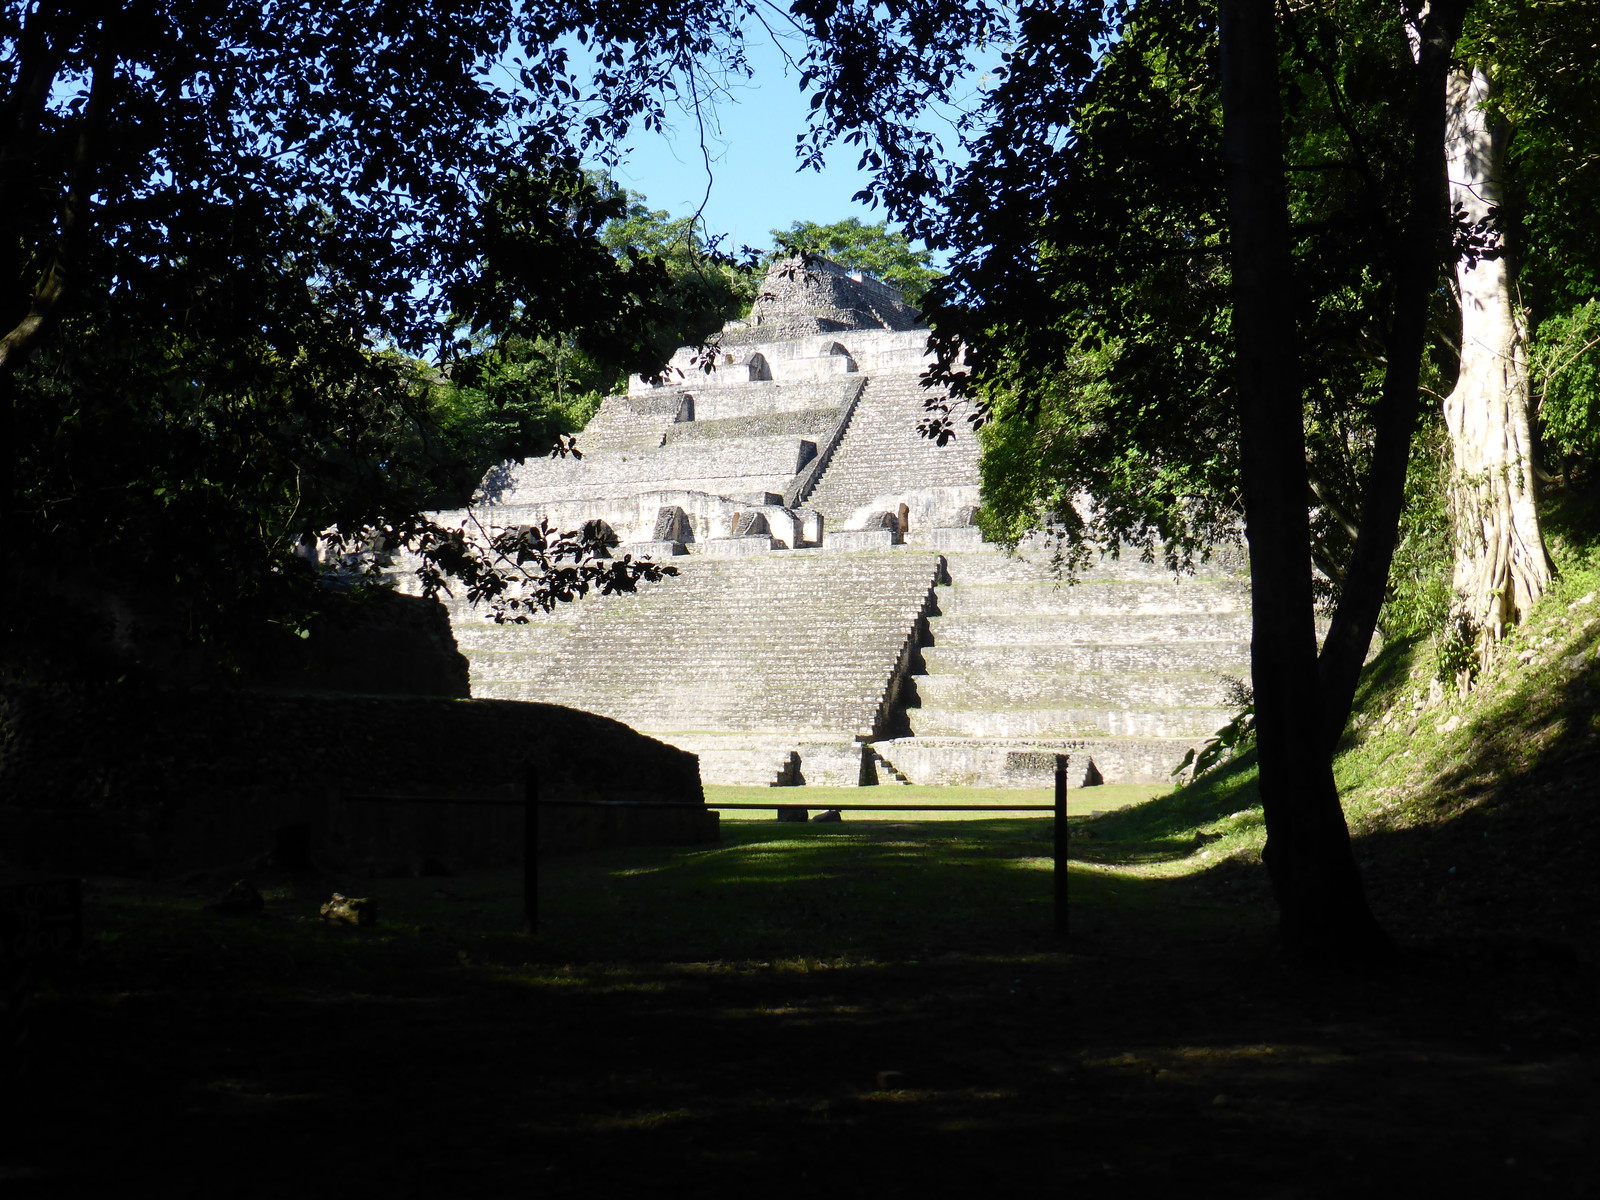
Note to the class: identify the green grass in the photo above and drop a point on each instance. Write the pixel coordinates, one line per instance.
(883, 890)
(1080, 801)
(770, 892)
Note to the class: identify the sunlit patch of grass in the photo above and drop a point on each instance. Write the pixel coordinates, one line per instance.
(1080, 801)
(642, 1121)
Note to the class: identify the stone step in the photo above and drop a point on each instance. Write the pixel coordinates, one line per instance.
(673, 702)
(589, 654)
(727, 467)
(1099, 630)
(747, 767)
(848, 717)
(727, 692)
(1022, 689)
(712, 659)
(881, 451)
(1032, 564)
(1192, 723)
(464, 610)
(1100, 598)
(1213, 658)
(726, 664)
(756, 644)
(529, 639)
(1031, 762)
(735, 611)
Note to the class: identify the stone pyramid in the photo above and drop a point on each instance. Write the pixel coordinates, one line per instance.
(837, 618)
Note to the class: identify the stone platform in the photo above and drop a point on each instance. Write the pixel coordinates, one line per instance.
(1124, 669)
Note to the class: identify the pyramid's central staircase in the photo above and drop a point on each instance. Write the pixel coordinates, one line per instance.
(881, 451)
(971, 667)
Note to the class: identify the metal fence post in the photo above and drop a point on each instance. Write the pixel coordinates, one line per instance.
(1059, 860)
(530, 849)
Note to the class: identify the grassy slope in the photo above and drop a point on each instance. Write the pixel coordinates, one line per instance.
(1471, 814)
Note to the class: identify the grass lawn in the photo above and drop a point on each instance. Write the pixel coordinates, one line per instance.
(1080, 801)
(852, 1009)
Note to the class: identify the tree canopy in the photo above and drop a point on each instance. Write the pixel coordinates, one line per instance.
(1199, 271)
(228, 225)
(521, 383)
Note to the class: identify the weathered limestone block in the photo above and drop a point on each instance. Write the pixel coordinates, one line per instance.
(672, 525)
(809, 423)
(861, 539)
(810, 522)
(738, 547)
(968, 538)
(751, 524)
(1037, 768)
(654, 549)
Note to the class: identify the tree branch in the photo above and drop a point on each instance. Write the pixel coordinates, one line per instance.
(55, 281)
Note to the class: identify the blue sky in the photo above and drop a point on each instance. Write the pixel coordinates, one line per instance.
(756, 184)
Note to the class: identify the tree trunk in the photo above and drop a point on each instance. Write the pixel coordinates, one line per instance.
(1322, 909)
(1419, 256)
(1501, 566)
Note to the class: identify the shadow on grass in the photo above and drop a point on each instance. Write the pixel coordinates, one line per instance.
(864, 890)
(873, 992)
(798, 1009)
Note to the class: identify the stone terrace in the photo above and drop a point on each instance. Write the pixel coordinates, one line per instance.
(1124, 669)
(742, 659)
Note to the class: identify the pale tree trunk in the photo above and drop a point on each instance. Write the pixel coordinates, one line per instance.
(1501, 566)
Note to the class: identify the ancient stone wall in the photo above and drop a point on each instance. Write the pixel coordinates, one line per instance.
(720, 467)
(378, 642)
(123, 781)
